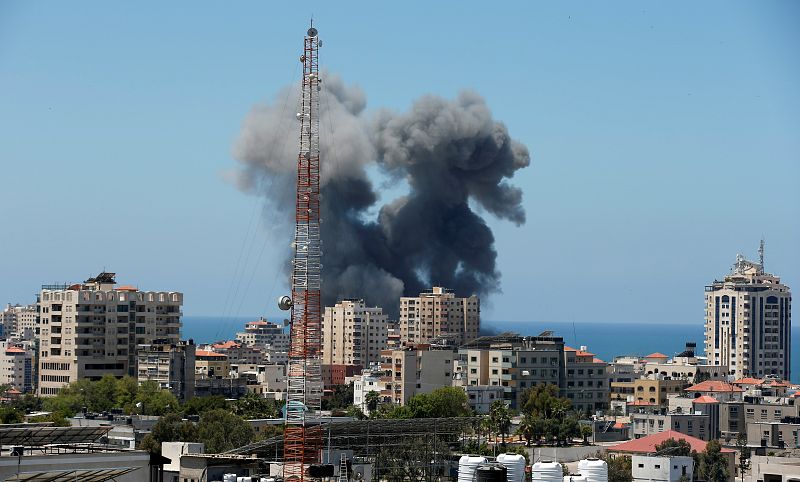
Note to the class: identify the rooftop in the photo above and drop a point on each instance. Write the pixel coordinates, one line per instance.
(648, 444)
(714, 386)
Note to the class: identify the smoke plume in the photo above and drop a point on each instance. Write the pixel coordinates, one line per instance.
(447, 152)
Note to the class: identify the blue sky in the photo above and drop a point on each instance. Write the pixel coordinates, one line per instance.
(664, 140)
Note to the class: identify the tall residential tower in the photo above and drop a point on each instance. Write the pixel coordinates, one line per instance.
(439, 314)
(748, 321)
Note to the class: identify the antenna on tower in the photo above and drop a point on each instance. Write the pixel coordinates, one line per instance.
(761, 254)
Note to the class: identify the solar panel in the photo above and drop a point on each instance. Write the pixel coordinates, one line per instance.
(86, 475)
(38, 436)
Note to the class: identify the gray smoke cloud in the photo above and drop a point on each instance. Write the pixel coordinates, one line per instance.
(448, 152)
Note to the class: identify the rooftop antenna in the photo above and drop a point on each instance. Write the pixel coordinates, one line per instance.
(761, 254)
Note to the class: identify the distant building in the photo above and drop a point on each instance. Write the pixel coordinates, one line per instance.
(370, 381)
(652, 390)
(417, 369)
(439, 313)
(586, 380)
(748, 322)
(20, 321)
(16, 365)
(353, 333)
(271, 338)
(209, 364)
(171, 365)
(92, 329)
(647, 468)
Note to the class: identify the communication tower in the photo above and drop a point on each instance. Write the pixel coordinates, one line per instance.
(301, 442)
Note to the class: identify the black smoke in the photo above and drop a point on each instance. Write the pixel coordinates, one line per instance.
(448, 152)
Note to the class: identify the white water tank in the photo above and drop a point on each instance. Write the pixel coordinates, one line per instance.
(515, 464)
(594, 470)
(547, 472)
(466, 467)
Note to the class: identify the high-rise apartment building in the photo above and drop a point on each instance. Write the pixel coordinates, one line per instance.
(93, 329)
(353, 333)
(415, 370)
(16, 365)
(271, 338)
(748, 322)
(439, 314)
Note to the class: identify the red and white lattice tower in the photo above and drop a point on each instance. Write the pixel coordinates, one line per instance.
(302, 443)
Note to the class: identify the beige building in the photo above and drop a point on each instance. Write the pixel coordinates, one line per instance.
(353, 333)
(16, 365)
(171, 365)
(93, 329)
(652, 390)
(20, 321)
(416, 370)
(271, 338)
(748, 322)
(209, 364)
(439, 314)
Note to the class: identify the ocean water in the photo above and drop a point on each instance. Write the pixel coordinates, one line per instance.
(606, 340)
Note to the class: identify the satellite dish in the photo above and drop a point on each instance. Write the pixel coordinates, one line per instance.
(284, 303)
(312, 32)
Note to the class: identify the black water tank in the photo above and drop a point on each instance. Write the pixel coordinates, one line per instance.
(491, 473)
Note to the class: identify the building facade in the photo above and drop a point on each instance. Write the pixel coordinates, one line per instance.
(171, 365)
(271, 338)
(20, 321)
(439, 314)
(353, 333)
(16, 365)
(586, 381)
(92, 329)
(417, 369)
(748, 322)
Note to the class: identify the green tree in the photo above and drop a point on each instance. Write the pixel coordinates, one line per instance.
(530, 428)
(221, 431)
(674, 448)
(355, 412)
(586, 432)
(253, 406)
(620, 468)
(372, 398)
(744, 455)
(442, 402)
(200, 405)
(169, 428)
(340, 398)
(500, 419)
(713, 465)
(125, 393)
(152, 400)
(11, 415)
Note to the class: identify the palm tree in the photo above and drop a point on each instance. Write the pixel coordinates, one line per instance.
(528, 428)
(500, 418)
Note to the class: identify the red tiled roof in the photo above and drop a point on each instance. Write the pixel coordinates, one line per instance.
(748, 381)
(705, 399)
(578, 352)
(226, 344)
(714, 386)
(656, 355)
(648, 444)
(14, 349)
(597, 360)
(13, 391)
(126, 288)
(208, 353)
(258, 323)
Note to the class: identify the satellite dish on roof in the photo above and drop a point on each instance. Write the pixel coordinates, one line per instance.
(312, 32)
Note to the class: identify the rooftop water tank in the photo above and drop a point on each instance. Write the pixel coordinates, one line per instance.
(515, 463)
(595, 470)
(491, 473)
(466, 467)
(547, 472)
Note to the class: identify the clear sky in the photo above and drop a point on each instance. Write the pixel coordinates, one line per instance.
(665, 138)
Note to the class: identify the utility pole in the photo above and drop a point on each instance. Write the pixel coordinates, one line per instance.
(302, 443)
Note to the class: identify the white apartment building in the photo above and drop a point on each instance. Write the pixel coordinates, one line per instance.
(353, 333)
(93, 329)
(748, 322)
(416, 370)
(16, 365)
(272, 338)
(369, 381)
(20, 321)
(439, 314)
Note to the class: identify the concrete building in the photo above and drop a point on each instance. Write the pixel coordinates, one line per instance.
(513, 363)
(16, 365)
(748, 322)
(271, 338)
(93, 328)
(767, 421)
(353, 333)
(661, 469)
(653, 390)
(370, 381)
(587, 385)
(439, 314)
(417, 369)
(695, 424)
(481, 398)
(171, 365)
(209, 364)
(774, 469)
(20, 321)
